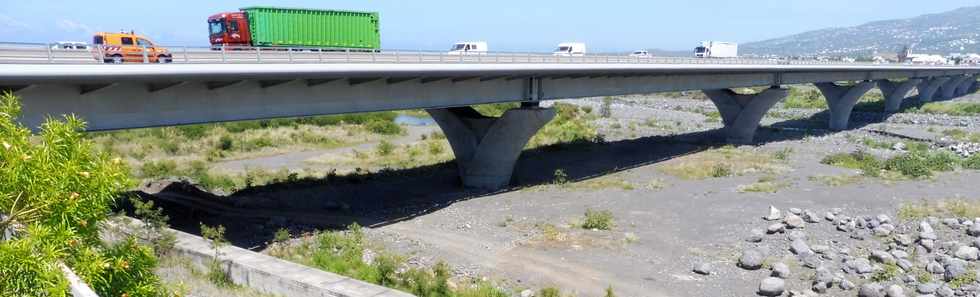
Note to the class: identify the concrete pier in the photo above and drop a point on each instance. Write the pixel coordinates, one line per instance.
(741, 114)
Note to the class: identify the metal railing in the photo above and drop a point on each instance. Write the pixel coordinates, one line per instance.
(35, 53)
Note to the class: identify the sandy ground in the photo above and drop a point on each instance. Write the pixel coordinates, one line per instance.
(660, 232)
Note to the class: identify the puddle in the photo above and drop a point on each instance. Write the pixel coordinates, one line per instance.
(410, 120)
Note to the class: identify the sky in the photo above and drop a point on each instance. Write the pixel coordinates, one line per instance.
(507, 25)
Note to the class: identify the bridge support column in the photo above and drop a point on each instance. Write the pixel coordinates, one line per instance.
(949, 88)
(964, 88)
(741, 114)
(841, 100)
(895, 92)
(929, 87)
(487, 148)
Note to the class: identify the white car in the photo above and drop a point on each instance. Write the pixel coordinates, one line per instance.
(469, 48)
(70, 45)
(641, 54)
(570, 49)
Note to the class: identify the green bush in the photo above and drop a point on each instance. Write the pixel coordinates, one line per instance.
(384, 127)
(867, 163)
(973, 162)
(601, 220)
(385, 148)
(808, 98)
(55, 191)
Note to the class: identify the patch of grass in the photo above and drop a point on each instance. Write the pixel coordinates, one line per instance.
(384, 127)
(783, 154)
(888, 272)
(949, 108)
(766, 184)
(550, 232)
(805, 98)
(343, 252)
(723, 162)
(712, 117)
(598, 219)
(973, 162)
(571, 125)
(914, 164)
(939, 208)
(656, 184)
(603, 183)
(961, 135)
(967, 278)
(837, 180)
(605, 110)
(385, 148)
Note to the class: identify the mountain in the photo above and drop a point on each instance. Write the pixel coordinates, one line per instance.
(956, 31)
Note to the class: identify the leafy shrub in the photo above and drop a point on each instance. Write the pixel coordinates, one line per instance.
(385, 148)
(55, 191)
(973, 162)
(601, 220)
(225, 143)
(384, 127)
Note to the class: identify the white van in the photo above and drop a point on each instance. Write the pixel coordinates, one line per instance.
(570, 49)
(469, 48)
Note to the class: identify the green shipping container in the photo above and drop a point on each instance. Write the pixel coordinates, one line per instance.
(273, 26)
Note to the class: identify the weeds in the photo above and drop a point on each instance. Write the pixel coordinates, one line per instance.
(926, 208)
(560, 177)
(216, 238)
(766, 184)
(598, 220)
(723, 162)
(949, 108)
(888, 272)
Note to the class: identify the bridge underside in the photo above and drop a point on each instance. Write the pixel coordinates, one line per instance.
(486, 148)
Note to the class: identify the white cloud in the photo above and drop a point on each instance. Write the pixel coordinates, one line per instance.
(73, 26)
(10, 24)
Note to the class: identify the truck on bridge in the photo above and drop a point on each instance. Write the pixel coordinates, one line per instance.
(295, 28)
(716, 49)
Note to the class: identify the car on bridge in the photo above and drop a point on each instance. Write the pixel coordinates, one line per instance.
(128, 47)
(570, 49)
(641, 54)
(70, 45)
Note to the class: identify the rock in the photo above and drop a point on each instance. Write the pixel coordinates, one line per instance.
(871, 290)
(772, 286)
(900, 254)
(882, 257)
(906, 265)
(793, 221)
(945, 291)
(821, 287)
(797, 234)
(968, 253)
(927, 236)
(830, 217)
(929, 244)
(703, 268)
(812, 261)
(800, 248)
(756, 235)
(823, 275)
(895, 291)
(954, 269)
(884, 219)
(925, 227)
(976, 242)
(974, 230)
(903, 239)
(820, 248)
(884, 230)
(774, 214)
(935, 268)
(860, 265)
(952, 223)
(751, 259)
(810, 217)
(780, 270)
(776, 228)
(861, 223)
(846, 285)
(927, 288)
(527, 293)
(795, 211)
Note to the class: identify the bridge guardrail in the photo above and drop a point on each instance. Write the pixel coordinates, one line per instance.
(37, 53)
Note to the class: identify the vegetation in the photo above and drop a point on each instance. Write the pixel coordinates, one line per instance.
(949, 108)
(723, 162)
(766, 184)
(914, 164)
(888, 272)
(926, 208)
(216, 237)
(967, 278)
(343, 252)
(598, 219)
(571, 125)
(837, 180)
(805, 98)
(961, 135)
(55, 190)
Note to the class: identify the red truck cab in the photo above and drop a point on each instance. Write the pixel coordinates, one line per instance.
(229, 29)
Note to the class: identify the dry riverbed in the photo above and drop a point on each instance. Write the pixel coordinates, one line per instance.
(664, 199)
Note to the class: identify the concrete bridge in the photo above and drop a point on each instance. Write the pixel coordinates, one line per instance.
(112, 97)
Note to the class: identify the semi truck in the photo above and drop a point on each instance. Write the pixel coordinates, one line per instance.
(716, 49)
(296, 28)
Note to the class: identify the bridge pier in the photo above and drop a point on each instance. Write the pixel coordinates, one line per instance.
(487, 148)
(742, 114)
(841, 100)
(949, 88)
(928, 88)
(895, 92)
(964, 88)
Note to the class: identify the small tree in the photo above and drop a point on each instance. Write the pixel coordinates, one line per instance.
(216, 237)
